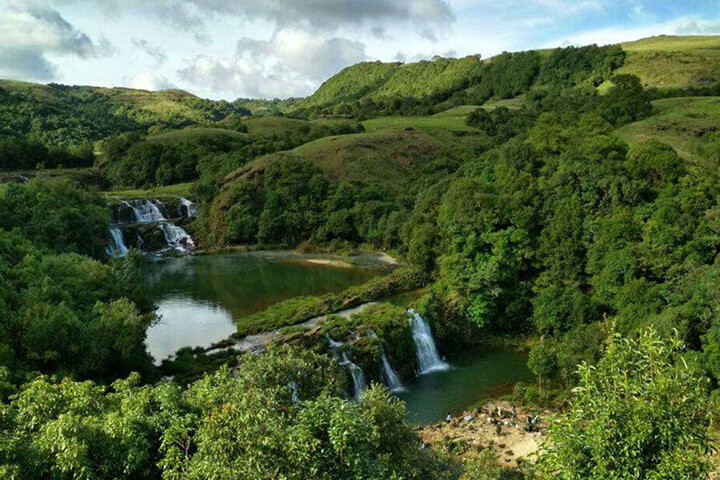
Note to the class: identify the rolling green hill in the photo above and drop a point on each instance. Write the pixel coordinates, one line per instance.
(674, 61)
(684, 123)
(385, 155)
(71, 115)
(662, 62)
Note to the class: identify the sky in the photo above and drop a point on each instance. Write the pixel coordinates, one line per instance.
(225, 49)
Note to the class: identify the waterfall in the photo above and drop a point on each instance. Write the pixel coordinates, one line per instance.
(117, 248)
(146, 210)
(176, 237)
(427, 355)
(357, 374)
(389, 376)
(190, 207)
(358, 377)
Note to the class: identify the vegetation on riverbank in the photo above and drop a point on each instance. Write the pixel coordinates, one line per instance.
(579, 198)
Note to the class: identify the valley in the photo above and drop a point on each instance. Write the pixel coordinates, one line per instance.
(348, 285)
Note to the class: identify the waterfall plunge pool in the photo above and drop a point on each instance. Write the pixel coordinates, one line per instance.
(475, 374)
(198, 297)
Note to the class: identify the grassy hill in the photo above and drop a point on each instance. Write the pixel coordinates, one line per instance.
(683, 123)
(68, 115)
(674, 61)
(385, 155)
(352, 83)
(662, 62)
(195, 133)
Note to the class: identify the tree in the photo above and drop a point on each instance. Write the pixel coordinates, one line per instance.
(639, 414)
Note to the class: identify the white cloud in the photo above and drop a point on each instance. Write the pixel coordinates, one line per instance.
(291, 63)
(30, 33)
(156, 53)
(324, 15)
(150, 81)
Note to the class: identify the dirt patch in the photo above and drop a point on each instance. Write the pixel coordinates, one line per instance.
(498, 426)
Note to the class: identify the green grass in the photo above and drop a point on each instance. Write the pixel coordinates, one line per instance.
(461, 111)
(510, 103)
(177, 190)
(390, 157)
(674, 61)
(192, 133)
(274, 125)
(446, 122)
(352, 83)
(268, 126)
(679, 122)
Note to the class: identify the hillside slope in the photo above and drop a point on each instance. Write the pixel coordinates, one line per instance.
(388, 156)
(674, 61)
(66, 115)
(661, 62)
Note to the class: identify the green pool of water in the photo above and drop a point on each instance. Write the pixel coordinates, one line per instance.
(198, 297)
(476, 374)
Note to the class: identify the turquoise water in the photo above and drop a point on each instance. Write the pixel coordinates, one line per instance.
(476, 374)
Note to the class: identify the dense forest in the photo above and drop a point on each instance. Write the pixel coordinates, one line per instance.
(517, 192)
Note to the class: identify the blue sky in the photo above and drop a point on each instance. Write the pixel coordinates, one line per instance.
(280, 48)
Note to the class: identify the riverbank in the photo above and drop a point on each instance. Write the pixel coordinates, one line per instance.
(497, 426)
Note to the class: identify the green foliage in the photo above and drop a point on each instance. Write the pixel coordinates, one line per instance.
(56, 214)
(574, 66)
(17, 153)
(280, 415)
(640, 414)
(63, 115)
(69, 314)
(626, 101)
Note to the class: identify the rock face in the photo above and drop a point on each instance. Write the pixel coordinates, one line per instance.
(499, 426)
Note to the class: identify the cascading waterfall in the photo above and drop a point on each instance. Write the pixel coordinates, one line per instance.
(129, 213)
(117, 248)
(146, 210)
(358, 377)
(389, 376)
(190, 207)
(428, 358)
(176, 237)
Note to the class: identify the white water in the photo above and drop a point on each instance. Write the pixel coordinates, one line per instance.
(190, 207)
(390, 376)
(176, 237)
(117, 248)
(357, 374)
(146, 210)
(428, 358)
(358, 377)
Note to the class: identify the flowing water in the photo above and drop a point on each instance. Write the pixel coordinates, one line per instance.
(117, 247)
(190, 208)
(475, 375)
(389, 375)
(198, 297)
(427, 355)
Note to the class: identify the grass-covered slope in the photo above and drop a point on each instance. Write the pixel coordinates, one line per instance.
(674, 61)
(662, 62)
(427, 78)
(684, 123)
(70, 115)
(352, 83)
(387, 157)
